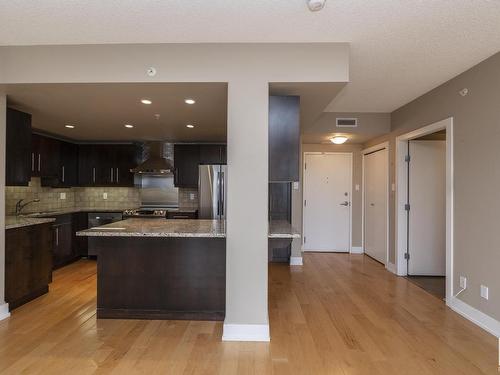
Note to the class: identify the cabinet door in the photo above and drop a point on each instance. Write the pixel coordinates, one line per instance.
(186, 162)
(48, 160)
(63, 251)
(68, 168)
(18, 148)
(280, 201)
(127, 157)
(17, 263)
(80, 222)
(41, 262)
(284, 138)
(87, 165)
(212, 154)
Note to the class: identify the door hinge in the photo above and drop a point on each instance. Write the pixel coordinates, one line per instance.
(304, 239)
(407, 255)
(407, 207)
(305, 166)
(407, 158)
(305, 202)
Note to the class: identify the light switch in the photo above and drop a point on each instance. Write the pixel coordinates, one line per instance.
(191, 196)
(62, 196)
(463, 282)
(484, 291)
(296, 185)
(104, 195)
(356, 187)
(393, 187)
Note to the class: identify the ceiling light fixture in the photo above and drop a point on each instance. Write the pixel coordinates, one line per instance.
(69, 126)
(146, 101)
(339, 139)
(189, 101)
(128, 126)
(189, 126)
(316, 5)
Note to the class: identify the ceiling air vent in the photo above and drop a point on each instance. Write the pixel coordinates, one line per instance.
(347, 122)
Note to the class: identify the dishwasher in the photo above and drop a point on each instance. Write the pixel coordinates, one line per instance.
(96, 219)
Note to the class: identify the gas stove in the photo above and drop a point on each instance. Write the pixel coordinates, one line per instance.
(146, 213)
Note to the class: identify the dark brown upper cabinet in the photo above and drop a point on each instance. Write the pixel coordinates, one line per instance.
(284, 138)
(107, 164)
(213, 154)
(46, 159)
(18, 148)
(68, 165)
(186, 162)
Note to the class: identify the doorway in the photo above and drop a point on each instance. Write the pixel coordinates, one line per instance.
(375, 202)
(327, 202)
(424, 207)
(426, 213)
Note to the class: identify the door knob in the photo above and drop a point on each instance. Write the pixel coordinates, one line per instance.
(372, 204)
(345, 203)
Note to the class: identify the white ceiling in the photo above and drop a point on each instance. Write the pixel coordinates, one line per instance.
(100, 111)
(400, 48)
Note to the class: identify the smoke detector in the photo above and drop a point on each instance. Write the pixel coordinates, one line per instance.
(316, 5)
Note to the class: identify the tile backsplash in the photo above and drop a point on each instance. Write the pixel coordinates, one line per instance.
(81, 197)
(185, 200)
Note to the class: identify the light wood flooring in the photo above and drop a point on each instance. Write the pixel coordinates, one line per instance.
(338, 314)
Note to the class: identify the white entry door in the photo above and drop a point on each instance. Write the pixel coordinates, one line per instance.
(427, 214)
(327, 201)
(375, 236)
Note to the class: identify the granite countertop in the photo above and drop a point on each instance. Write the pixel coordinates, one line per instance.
(137, 227)
(12, 222)
(148, 227)
(97, 209)
(282, 229)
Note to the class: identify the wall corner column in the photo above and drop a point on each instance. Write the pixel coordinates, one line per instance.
(4, 307)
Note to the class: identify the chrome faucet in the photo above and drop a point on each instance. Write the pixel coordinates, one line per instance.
(20, 205)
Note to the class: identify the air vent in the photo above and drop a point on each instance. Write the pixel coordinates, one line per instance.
(347, 122)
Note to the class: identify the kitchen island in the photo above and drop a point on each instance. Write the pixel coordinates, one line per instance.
(163, 269)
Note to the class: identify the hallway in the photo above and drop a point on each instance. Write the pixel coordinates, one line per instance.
(338, 314)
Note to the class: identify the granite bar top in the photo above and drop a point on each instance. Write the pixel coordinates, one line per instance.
(282, 229)
(149, 227)
(137, 227)
(12, 222)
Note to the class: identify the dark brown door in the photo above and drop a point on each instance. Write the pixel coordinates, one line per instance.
(186, 162)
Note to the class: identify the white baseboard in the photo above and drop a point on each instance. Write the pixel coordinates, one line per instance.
(246, 332)
(296, 261)
(357, 250)
(484, 321)
(391, 267)
(4, 311)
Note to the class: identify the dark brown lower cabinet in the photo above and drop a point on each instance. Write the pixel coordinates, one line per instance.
(28, 263)
(64, 249)
(80, 222)
(182, 214)
(280, 208)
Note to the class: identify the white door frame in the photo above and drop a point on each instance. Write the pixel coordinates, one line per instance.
(401, 198)
(350, 154)
(379, 147)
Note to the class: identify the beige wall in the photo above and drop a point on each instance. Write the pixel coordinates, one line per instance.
(3, 118)
(297, 199)
(248, 68)
(476, 142)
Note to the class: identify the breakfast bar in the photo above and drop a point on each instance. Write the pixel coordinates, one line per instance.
(164, 269)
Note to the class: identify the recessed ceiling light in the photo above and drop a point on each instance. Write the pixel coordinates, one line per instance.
(339, 139)
(189, 101)
(146, 101)
(189, 126)
(129, 126)
(69, 126)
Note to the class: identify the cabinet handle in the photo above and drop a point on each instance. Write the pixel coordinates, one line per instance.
(117, 176)
(32, 162)
(111, 175)
(63, 174)
(57, 236)
(181, 217)
(39, 162)
(93, 175)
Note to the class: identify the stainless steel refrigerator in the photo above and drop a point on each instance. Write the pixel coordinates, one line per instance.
(212, 184)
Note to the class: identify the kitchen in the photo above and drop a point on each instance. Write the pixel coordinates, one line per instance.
(92, 193)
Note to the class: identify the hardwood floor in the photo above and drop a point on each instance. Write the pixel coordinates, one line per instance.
(338, 314)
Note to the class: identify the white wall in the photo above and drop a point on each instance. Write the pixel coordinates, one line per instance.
(3, 114)
(248, 68)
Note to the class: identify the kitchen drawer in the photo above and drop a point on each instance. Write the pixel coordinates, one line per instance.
(182, 215)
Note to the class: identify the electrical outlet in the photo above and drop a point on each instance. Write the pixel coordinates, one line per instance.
(357, 187)
(393, 187)
(463, 282)
(104, 195)
(295, 185)
(484, 292)
(191, 196)
(62, 196)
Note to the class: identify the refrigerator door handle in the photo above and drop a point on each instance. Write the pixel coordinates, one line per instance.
(222, 194)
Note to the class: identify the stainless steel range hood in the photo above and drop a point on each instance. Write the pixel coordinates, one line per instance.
(157, 161)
